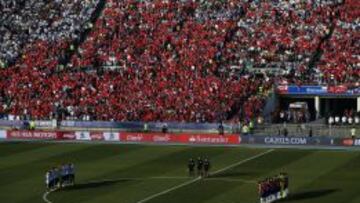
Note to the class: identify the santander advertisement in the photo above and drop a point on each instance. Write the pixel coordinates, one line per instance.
(179, 138)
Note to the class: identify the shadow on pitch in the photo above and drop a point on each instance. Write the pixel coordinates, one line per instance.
(308, 195)
(92, 185)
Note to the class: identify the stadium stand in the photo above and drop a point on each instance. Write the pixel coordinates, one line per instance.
(167, 60)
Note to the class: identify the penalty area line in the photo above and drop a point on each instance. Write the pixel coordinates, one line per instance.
(199, 178)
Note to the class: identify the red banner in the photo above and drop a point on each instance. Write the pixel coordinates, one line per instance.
(147, 137)
(183, 138)
(67, 135)
(40, 135)
(180, 138)
(209, 139)
(337, 89)
(97, 136)
(348, 142)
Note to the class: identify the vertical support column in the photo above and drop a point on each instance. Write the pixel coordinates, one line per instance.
(317, 106)
(358, 104)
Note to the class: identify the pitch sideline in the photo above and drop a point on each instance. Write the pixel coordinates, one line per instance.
(197, 179)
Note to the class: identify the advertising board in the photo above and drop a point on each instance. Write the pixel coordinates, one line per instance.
(280, 140)
(2, 134)
(45, 135)
(111, 136)
(183, 138)
(82, 135)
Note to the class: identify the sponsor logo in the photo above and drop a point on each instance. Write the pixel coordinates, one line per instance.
(83, 135)
(111, 136)
(69, 136)
(337, 89)
(2, 134)
(96, 136)
(357, 142)
(192, 139)
(179, 138)
(44, 123)
(160, 138)
(32, 135)
(134, 138)
(286, 140)
(348, 142)
(208, 139)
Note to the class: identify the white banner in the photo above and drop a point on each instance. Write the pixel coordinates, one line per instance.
(111, 136)
(82, 135)
(2, 134)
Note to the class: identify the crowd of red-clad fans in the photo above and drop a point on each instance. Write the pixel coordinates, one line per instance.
(164, 60)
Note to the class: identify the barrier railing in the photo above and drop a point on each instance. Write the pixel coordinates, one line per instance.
(124, 126)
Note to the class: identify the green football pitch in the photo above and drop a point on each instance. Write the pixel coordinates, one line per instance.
(158, 174)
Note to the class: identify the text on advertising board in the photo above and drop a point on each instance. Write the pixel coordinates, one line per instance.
(285, 140)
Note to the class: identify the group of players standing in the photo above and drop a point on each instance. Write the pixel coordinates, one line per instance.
(273, 189)
(58, 177)
(202, 167)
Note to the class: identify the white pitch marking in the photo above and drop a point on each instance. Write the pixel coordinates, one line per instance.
(46, 194)
(199, 178)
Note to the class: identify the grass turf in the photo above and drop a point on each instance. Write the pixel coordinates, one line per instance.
(130, 173)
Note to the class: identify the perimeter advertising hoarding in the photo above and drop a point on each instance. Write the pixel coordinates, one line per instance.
(317, 90)
(35, 135)
(111, 136)
(89, 136)
(67, 135)
(183, 138)
(351, 142)
(60, 135)
(97, 136)
(82, 135)
(179, 138)
(296, 141)
(2, 134)
(209, 139)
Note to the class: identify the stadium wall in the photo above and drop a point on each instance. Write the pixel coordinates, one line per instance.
(176, 127)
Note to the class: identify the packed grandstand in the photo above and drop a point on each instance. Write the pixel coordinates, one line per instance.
(166, 60)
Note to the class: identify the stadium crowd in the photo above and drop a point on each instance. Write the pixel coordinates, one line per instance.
(28, 26)
(166, 60)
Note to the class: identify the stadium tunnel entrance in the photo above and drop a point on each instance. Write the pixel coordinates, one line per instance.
(284, 104)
